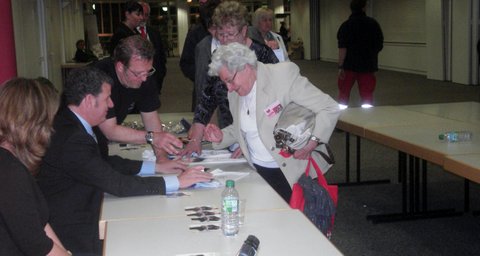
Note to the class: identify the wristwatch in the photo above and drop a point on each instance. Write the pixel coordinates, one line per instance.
(315, 139)
(149, 137)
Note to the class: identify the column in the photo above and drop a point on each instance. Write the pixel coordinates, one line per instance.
(8, 65)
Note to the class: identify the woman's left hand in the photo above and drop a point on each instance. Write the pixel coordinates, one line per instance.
(213, 133)
(304, 153)
(237, 153)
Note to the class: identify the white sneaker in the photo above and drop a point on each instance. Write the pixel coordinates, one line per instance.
(367, 105)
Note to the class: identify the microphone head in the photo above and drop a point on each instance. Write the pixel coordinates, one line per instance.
(253, 241)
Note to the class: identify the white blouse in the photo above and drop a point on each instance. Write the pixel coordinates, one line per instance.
(248, 124)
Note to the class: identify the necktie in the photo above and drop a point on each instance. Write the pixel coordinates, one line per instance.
(142, 32)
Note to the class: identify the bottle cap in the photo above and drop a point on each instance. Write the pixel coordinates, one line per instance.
(230, 184)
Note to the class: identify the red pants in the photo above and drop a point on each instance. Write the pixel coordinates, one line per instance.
(366, 86)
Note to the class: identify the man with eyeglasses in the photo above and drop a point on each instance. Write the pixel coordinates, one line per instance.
(131, 69)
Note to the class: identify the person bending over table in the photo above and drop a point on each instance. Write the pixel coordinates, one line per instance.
(230, 21)
(134, 87)
(28, 108)
(256, 89)
(73, 174)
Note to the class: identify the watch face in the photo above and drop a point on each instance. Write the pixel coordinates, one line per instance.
(149, 137)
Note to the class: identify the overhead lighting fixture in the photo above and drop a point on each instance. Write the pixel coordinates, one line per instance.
(165, 8)
(93, 7)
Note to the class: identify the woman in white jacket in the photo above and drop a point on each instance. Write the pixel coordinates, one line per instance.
(263, 23)
(258, 93)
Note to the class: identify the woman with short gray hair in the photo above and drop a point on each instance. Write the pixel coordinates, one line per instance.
(235, 57)
(258, 93)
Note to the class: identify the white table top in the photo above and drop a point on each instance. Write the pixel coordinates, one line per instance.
(421, 139)
(462, 111)
(260, 196)
(414, 129)
(283, 232)
(158, 225)
(357, 120)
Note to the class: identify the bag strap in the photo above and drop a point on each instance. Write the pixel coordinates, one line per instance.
(321, 179)
(327, 156)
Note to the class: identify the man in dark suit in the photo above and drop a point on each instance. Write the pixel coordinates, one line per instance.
(153, 35)
(73, 175)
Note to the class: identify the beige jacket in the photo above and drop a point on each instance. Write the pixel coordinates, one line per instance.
(282, 83)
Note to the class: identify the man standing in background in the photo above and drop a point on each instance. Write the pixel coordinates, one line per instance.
(154, 36)
(360, 39)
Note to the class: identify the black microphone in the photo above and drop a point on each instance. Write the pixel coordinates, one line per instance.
(249, 247)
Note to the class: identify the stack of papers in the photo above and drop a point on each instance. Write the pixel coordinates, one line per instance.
(220, 177)
(207, 157)
(217, 157)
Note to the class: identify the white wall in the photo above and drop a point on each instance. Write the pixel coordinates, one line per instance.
(461, 56)
(434, 38)
(41, 45)
(28, 47)
(403, 26)
(300, 20)
(332, 14)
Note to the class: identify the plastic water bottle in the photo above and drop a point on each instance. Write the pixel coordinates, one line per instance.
(230, 219)
(456, 136)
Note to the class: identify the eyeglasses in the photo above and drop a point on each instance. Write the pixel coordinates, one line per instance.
(230, 81)
(138, 75)
(227, 35)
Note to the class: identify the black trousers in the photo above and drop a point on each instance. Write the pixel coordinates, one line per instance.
(275, 178)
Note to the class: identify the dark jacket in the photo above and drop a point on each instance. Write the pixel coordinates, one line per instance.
(121, 32)
(160, 58)
(73, 177)
(363, 39)
(187, 60)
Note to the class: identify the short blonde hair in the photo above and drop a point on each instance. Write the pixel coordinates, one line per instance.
(260, 13)
(28, 108)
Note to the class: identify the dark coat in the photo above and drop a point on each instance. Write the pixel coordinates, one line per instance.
(73, 177)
